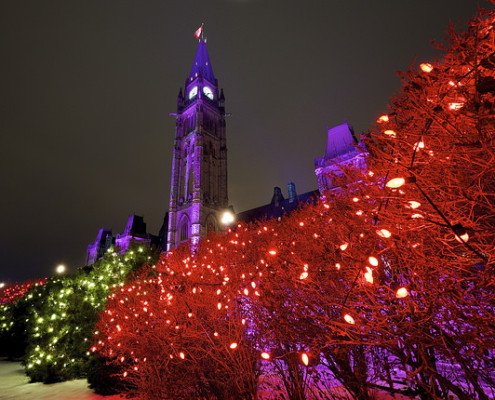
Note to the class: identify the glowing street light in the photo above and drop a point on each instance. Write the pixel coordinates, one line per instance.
(60, 269)
(227, 218)
(2, 285)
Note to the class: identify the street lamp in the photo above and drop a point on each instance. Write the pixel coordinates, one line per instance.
(60, 269)
(2, 285)
(228, 217)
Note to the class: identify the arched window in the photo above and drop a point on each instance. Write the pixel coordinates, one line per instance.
(190, 183)
(184, 230)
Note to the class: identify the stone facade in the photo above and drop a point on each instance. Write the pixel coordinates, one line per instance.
(134, 233)
(341, 151)
(198, 189)
(104, 240)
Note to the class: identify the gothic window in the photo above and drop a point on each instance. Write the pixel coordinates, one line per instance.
(189, 125)
(182, 178)
(184, 230)
(328, 183)
(190, 183)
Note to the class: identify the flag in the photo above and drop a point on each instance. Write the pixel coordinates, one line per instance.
(198, 32)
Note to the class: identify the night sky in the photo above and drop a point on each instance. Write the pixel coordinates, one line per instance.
(86, 88)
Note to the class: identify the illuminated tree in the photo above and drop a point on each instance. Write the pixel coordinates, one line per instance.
(389, 280)
(15, 291)
(302, 313)
(15, 302)
(61, 322)
(177, 332)
(435, 152)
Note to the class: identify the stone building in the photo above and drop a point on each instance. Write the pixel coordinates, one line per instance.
(198, 185)
(104, 240)
(198, 188)
(135, 232)
(341, 151)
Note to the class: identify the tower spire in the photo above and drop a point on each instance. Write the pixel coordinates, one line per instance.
(202, 65)
(198, 189)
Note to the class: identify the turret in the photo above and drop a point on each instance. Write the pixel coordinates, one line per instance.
(291, 190)
(278, 197)
(180, 101)
(221, 100)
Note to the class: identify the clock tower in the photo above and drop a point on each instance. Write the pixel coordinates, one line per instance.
(198, 189)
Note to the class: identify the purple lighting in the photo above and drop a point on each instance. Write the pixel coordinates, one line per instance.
(198, 188)
(202, 65)
(341, 150)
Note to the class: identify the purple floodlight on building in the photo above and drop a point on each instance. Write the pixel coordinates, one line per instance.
(341, 150)
(198, 188)
(340, 141)
(97, 249)
(202, 66)
(134, 232)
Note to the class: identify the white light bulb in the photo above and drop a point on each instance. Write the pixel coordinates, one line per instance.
(60, 269)
(228, 217)
(401, 293)
(426, 67)
(395, 183)
(349, 319)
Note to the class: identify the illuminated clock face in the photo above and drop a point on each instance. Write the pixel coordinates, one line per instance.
(193, 92)
(208, 93)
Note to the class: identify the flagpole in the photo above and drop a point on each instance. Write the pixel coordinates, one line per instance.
(198, 34)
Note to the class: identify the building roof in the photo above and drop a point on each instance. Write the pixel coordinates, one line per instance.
(340, 140)
(202, 65)
(101, 238)
(278, 208)
(135, 226)
(102, 235)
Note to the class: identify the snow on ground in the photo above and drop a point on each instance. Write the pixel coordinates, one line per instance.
(321, 385)
(14, 386)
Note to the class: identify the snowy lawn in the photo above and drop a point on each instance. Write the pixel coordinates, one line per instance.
(14, 385)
